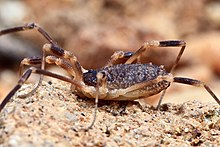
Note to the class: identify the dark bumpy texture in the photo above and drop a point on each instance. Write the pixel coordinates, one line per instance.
(124, 75)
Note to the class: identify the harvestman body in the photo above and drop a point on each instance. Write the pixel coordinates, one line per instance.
(127, 80)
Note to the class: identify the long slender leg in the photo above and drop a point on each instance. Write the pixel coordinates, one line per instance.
(27, 74)
(168, 43)
(32, 26)
(55, 50)
(196, 83)
(32, 61)
(50, 48)
(160, 100)
(183, 44)
(29, 26)
(153, 44)
(101, 91)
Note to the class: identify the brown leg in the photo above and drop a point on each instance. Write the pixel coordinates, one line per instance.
(57, 51)
(29, 26)
(183, 46)
(32, 61)
(153, 44)
(27, 74)
(101, 91)
(71, 69)
(50, 48)
(196, 83)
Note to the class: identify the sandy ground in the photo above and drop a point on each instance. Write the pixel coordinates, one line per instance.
(93, 31)
(54, 116)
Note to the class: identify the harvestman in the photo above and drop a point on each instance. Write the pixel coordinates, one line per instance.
(126, 79)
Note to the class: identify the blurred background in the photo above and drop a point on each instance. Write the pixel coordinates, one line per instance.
(94, 30)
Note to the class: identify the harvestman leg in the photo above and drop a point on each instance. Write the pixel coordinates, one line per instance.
(154, 44)
(172, 43)
(196, 83)
(51, 60)
(27, 74)
(73, 70)
(101, 88)
(29, 26)
(101, 91)
(132, 56)
(52, 48)
(32, 26)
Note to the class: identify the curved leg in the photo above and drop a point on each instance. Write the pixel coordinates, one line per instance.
(52, 48)
(29, 26)
(73, 69)
(196, 83)
(59, 52)
(27, 74)
(32, 61)
(101, 91)
(154, 43)
(166, 43)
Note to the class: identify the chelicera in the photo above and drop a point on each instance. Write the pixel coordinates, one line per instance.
(124, 77)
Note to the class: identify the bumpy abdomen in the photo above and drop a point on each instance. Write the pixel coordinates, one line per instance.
(125, 75)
